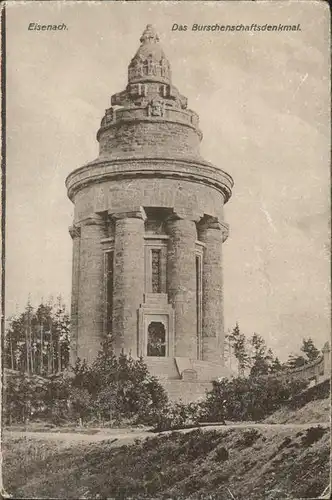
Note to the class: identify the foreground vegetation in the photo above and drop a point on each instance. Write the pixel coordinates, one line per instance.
(228, 464)
(111, 389)
(114, 390)
(224, 464)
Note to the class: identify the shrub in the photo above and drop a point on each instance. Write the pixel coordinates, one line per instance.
(178, 416)
(312, 435)
(250, 437)
(24, 399)
(221, 454)
(121, 388)
(250, 398)
(113, 389)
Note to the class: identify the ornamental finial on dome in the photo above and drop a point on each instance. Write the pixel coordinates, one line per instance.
(149, 35)
(149, 64)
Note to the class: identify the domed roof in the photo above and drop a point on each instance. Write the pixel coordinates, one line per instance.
(149, 62)
(150, 45)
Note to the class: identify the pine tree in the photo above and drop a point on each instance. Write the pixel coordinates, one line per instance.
(310, 354)
(37, 340)
(310, 350)
(276, 365)
(295, 361)
(261, 357)
(61, 335)
(238, 344)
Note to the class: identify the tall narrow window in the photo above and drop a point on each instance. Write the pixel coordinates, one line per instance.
(156, 270)
(109, 290)
(199, 304)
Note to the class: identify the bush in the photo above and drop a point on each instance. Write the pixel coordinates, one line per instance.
(249, 437)
(178, 416)
(23, 399)
(221, 454)
(313, 434)
(122, 388)
(113, 389)
(250, 398)
(116, 389)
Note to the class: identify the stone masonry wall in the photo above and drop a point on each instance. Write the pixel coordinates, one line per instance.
(144, 138)
(148, 192)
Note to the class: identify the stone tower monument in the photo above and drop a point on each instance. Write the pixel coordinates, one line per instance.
(148, 231)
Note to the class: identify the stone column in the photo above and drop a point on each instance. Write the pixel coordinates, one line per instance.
(212, 234)
(91, 288)
(75, 233)
(128, 279)
(327, 359)
(181, 283)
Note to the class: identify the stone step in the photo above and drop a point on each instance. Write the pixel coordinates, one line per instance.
(186, 392)
(163, 368)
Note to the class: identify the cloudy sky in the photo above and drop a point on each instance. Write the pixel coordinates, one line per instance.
(263, 101)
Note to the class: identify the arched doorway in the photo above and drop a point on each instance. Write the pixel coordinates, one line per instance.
(156, 345)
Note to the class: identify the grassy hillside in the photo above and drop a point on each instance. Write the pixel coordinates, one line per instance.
(314, 411)
(255, 464)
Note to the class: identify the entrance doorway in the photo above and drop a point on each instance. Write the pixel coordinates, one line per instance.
(156, 345)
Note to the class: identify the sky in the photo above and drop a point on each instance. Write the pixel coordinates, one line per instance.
(263, 101)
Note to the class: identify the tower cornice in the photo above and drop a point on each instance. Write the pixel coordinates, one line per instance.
(152, 112)
(175, 168)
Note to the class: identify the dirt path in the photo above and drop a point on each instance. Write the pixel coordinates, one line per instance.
(253, 425)
(68, 439)
(119, 437)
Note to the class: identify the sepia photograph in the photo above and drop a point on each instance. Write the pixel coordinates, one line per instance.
(166, 325)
